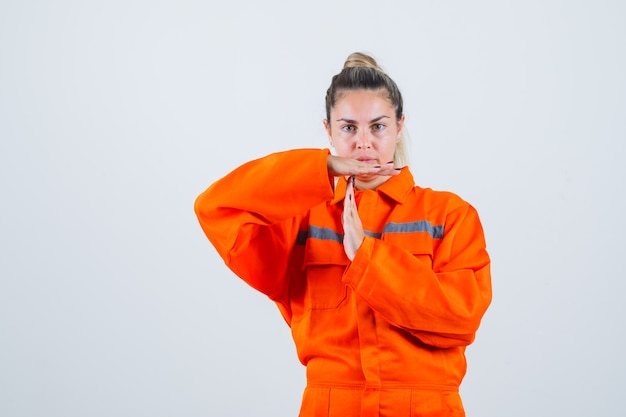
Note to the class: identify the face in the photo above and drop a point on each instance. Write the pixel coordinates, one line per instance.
(363, 126)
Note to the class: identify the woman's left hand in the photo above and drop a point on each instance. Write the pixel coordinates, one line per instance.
(353, 234)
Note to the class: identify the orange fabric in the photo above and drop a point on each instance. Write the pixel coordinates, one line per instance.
(405, 402)
(385, 334)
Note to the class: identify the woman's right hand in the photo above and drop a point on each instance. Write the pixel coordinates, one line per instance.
(340, 166)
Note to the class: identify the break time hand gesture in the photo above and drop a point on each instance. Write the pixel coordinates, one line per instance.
(352, 228)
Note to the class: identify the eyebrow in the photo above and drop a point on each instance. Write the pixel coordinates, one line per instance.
(371, 121)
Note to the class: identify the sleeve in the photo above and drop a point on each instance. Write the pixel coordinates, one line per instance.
(251, 215)
(441, 304)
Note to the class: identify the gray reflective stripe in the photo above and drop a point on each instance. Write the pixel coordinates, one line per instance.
(323, 233)
(376, 235)
(436, 232)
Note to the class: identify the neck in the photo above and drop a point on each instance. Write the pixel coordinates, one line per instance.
(370, 182)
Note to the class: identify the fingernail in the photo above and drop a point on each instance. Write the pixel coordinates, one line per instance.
(398, 169)
(353, 180)
(390, 162)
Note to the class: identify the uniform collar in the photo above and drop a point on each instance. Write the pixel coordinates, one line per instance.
(397, 188)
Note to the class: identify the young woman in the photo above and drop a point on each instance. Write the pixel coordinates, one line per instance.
(383, 283)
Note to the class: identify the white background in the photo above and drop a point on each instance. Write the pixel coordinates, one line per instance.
(115, 115)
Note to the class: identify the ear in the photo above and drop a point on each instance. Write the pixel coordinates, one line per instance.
(327, 128)
(400, 127)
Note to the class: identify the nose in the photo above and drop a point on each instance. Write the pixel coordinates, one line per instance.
(363, 140)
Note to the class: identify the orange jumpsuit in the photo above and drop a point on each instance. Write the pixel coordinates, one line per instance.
(385, 334)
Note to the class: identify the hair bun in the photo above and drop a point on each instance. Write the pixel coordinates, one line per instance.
(358, 59)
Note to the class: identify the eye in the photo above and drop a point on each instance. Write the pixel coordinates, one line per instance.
(348, 128)
(378, 126)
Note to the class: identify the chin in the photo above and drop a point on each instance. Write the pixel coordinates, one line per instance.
(370, 178)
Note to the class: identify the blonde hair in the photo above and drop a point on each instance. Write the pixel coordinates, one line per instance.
(361, 71)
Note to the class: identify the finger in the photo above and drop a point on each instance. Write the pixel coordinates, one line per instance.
(349, 205)
(350, 189)
(387, 169)
(345, 217)
(350, 208)
(346, 166)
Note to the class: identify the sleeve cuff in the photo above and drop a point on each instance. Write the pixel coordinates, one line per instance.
(356, 271)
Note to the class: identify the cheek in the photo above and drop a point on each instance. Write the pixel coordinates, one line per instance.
(341, 138)
(387, 146)
(342, 148)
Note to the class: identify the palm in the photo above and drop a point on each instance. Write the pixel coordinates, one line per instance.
(353, 234)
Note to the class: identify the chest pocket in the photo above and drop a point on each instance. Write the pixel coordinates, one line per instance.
(420, 244)
(324, 264)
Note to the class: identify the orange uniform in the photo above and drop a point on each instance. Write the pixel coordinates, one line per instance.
(385, 334)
